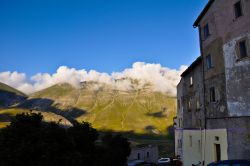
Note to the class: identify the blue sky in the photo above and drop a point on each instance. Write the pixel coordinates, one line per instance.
(104, 35)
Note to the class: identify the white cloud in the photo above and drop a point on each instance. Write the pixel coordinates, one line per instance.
(162, 79)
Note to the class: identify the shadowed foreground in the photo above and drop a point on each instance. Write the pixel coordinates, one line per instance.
(30, 141)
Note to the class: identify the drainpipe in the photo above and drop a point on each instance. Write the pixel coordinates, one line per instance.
(204, 99)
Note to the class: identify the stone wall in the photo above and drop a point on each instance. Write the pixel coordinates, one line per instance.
(237, 73)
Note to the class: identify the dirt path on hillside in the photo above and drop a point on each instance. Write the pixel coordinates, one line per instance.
(115, 94)
(124, 115)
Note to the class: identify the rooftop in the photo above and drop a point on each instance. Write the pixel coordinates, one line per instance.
(204, 11)
(192, 66)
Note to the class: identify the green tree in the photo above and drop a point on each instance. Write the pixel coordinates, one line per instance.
(29, 141)
(117, 149)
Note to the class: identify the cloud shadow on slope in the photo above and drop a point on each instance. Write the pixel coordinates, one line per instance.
(159, 114)
(47, 105)
(10, 98)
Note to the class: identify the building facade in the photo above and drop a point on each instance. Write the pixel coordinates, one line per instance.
(190, 121)
(147, 153)
(224, 30)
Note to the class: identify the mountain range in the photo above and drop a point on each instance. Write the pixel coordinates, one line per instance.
(140, 110)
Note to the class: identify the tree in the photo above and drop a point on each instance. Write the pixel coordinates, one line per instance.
(117, 148)
(30, 141)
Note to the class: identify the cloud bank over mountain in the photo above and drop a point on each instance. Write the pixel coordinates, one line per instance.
(161, 78)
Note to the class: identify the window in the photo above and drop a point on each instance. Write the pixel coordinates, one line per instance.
(147, 154)
(206, 31)
(217, 138)
(138, 156)
(238, 9)
(209, 62)
(190, 141)
(212, 94)
(199, 122)
(242, 49)
(217, 152)
(178, 104)
(191, 81)
(189, 105)
(198, 105)
(199, 145)
(179, 143)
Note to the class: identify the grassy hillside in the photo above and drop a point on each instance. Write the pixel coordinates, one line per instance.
(4, 87)
(7, 114)
(140, 110)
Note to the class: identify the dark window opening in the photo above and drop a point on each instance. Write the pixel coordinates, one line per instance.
(217, 138)
(178, 104)
(147, 154)
(238, 9)
(138, 156)
(242, 49)
(190, 141)
(209, 62)
(212, 94)
(179, 143)
(217, 152)
(206, 31)
(199, 145)
(199, 123)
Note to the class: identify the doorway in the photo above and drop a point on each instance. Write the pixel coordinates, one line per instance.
(217, 152)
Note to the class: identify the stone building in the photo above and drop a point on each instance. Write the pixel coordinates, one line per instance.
(147, 153)
(190, 121)
(224, 30)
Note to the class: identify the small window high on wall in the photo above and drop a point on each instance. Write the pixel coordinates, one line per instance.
(189, 105)
(238, 9)
(206, 31)
(191, 81)
(209, 62)
(212, 94)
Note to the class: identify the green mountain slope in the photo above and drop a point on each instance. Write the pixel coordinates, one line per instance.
(7, 88)
(7, 114)
(10, 98)
(140, 110)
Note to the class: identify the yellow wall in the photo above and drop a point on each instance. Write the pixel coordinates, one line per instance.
(210, 144)
(199, 146)
(192, 153)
